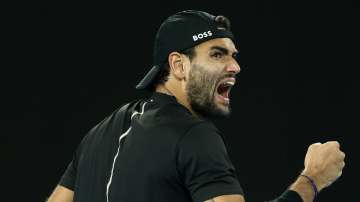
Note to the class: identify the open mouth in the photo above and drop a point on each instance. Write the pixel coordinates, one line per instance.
(223, 90)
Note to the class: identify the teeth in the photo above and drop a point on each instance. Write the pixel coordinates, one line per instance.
(230, 83)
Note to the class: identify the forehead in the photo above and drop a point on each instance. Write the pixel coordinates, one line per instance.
(222, 42)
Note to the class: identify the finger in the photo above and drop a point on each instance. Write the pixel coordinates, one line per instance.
(342, 165)
(342, 155)
(334, 143)
(338, 176)
(339, 156)
(312, 146)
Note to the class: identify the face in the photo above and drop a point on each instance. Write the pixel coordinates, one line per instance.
(211, 77)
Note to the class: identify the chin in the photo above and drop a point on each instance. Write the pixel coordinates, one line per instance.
(220, 107)
(217, 111)
(222, 111)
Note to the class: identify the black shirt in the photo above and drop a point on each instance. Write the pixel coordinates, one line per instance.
(151, 150)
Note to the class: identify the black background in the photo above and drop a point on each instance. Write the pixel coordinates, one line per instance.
(67, 66)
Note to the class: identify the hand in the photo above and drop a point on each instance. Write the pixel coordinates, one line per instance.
(324, 163)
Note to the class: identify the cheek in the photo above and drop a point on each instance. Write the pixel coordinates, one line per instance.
(204, 76)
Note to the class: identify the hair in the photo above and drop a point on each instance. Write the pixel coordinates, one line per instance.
(163, 76)
(223, 22)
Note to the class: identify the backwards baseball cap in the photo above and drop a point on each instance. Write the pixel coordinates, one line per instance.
(179, 32)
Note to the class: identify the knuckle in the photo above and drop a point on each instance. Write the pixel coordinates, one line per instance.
(315, 145)
(342, 154)
(335, 143)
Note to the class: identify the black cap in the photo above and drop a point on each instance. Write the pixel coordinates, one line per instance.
(179, 32)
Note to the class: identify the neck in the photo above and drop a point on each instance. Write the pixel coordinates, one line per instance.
(161, 88)
(179, 95)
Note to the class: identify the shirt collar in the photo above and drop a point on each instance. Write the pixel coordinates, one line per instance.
(163, 98)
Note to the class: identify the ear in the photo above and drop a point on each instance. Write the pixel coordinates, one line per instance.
(177, 65)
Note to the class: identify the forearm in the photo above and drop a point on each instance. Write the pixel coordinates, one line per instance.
(303, 187)
(288, 196)
(299, 191)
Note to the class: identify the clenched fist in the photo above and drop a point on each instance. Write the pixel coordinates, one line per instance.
(324, 163)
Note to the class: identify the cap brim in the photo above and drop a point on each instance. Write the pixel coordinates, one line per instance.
(146, 82)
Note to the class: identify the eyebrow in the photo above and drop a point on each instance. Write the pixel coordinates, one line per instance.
(223, 50)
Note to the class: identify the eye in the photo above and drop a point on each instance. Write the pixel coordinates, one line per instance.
(217, 55)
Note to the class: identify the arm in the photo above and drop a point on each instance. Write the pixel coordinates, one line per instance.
(323, 164)
(61, 194)
(205, 168)
(64, 190)
(227, 198)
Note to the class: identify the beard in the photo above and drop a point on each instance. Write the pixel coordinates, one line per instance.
(201, 89)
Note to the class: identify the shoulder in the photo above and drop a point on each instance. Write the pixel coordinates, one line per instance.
(201, 136)
(202, 129)
(112, 124)
(172, 115)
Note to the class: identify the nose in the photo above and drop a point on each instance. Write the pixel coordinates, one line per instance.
(233, 67)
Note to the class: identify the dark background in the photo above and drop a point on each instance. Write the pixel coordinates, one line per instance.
(67, 66)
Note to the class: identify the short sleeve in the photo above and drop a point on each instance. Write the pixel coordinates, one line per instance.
(68, 178)
(204, 165)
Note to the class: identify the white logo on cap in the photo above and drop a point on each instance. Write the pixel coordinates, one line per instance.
(202, 35)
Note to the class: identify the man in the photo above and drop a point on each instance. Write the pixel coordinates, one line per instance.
(164, 148)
